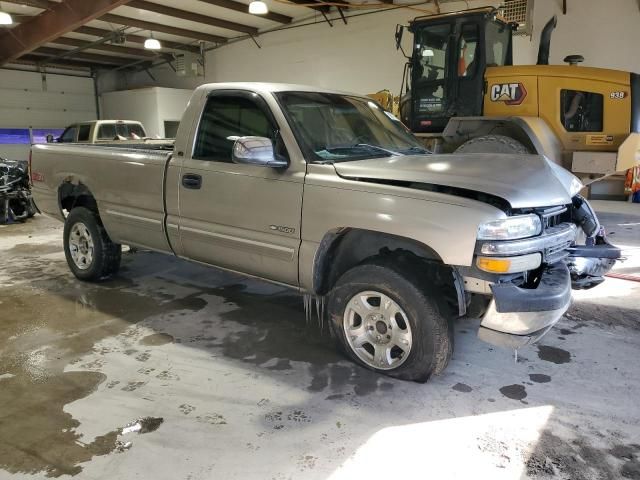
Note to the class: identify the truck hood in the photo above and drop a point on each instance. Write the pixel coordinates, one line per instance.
(524, 181)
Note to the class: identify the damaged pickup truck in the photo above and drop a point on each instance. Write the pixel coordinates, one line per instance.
(327, 193)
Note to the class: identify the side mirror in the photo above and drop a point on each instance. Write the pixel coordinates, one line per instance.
(399, 33)
(256, 151)
(49, 138)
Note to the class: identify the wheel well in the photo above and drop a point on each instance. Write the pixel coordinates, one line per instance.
(71, 195)
(343, 249)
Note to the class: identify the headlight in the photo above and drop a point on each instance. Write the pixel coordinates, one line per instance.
(511, 228)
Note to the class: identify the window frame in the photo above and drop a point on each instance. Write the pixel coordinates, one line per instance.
(75, 135)
(476, 60)
(250, 95)
(80, 128)
(565, 91)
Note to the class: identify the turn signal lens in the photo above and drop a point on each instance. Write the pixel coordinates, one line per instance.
(494, 265)
(521, 263)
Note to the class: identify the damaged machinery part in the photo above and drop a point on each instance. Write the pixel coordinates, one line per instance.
(16, 203)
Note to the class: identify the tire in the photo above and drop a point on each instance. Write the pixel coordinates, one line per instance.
(430, 339)
(492, 144)
(90, 253)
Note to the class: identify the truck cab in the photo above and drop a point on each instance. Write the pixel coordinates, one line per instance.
(103, 131)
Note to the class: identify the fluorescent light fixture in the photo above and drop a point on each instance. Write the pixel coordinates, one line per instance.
(427, 53)
(258, 7)
(152, 44)
(5, 19)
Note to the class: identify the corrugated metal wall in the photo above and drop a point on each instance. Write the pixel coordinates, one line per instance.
(26, 101)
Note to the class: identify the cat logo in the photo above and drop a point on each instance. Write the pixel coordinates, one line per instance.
(509, 93)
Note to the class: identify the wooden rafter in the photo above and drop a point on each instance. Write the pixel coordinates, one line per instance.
(89, 57)
(74, 42)
(158, 27)
(192, 16)
(99, 32)
(53, 23)
(244, 8)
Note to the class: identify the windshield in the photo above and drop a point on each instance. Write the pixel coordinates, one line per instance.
(334, 128)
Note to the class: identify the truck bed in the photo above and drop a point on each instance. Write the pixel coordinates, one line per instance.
(126, 180)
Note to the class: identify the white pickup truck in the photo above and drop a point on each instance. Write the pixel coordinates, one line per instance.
(103, 131)
(327, 193)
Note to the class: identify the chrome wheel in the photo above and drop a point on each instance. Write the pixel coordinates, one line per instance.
(377, 330)
(81, 246)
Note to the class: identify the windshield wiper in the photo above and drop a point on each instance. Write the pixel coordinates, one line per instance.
(416, 150)
(376, 147)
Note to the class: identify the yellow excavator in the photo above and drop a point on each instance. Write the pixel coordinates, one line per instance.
(461, 92)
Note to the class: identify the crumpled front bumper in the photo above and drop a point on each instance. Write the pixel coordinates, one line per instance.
(520, 316)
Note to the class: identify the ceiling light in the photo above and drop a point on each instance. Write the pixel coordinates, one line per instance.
(258, 7)
(5, 19)
(152, 44)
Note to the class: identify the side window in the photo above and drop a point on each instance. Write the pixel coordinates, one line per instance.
(69, 135)
(581, 111)
(467, 64)
(432, 52)
(83, 133)
(225, 118)
(107, 131)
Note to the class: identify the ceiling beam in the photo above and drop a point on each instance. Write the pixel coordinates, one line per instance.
(192, 16)
(99, 32)
(244, 8)
(58, 20)
(74, 42)
(31, 59)
(89, 57)
(157, 27)
(43, 4)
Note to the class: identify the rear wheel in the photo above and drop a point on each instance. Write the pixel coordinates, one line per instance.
(387, 320)
(492, 144)
(90, 253)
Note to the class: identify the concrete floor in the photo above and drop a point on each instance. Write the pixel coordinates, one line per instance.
(247, 390)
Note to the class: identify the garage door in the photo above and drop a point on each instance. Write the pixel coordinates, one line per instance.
(30, 108)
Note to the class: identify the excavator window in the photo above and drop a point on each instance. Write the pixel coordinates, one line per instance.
(581, 111)
(430, 71)
(467, 62)
(498, 39)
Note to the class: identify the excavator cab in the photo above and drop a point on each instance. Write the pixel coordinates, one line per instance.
(444, 75)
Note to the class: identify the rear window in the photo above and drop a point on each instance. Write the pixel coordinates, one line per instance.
(120, 131)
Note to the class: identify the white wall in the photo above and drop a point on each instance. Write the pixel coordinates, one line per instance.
(606, 33)
(151, 106)
(26, 102)
(361, 56)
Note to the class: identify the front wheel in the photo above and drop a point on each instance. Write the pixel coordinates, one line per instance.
(90, 253)
(389, 321)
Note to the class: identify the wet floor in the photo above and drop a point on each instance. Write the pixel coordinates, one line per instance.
(173, 370)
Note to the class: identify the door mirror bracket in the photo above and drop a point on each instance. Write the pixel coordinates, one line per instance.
(256, 151)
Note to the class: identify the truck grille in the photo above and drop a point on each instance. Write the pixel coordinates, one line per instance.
(558, 251)
(554, 216)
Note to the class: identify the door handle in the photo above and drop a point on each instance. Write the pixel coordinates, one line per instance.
(192, 181)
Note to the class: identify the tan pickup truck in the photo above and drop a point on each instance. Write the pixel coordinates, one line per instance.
(327, 193)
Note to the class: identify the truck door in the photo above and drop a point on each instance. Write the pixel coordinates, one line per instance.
(240, 217)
